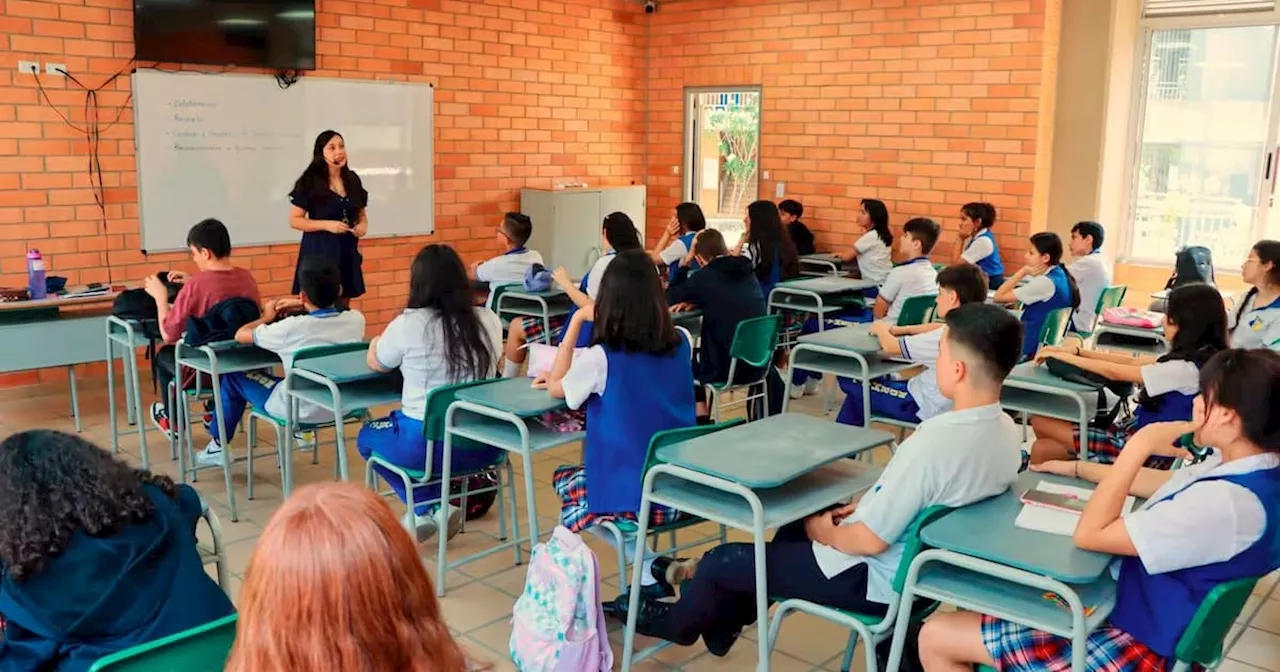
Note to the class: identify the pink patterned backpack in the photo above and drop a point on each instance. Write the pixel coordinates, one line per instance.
(558, 624)
(1129, 317)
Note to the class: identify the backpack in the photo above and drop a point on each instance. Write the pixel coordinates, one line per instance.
(537, 278)
(558, 624)
(478, 504)
(1128, 317)
(1193, 264)
(1105, 414)
(138, 306)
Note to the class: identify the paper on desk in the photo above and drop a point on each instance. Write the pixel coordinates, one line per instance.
(1054, 521)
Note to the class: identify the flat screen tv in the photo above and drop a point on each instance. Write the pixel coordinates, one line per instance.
(278, 34)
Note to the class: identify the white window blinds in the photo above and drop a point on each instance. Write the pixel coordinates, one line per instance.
(1154, 8)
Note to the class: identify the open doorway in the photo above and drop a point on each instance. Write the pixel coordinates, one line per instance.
(722, 154)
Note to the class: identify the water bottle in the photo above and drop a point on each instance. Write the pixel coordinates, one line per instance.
(35, 275)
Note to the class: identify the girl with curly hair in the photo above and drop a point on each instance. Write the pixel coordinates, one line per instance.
(95, 556)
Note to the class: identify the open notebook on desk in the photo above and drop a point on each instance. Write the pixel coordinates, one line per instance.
(1049, 508)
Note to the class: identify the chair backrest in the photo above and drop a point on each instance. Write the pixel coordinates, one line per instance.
(669, 437)
(1201, 643)
(200, 649)
(317, 351)
(438, 401)
(495, 292)
(1055, 326)
(913, 544)
(917, 309)
(1111, 297)
(754, 340)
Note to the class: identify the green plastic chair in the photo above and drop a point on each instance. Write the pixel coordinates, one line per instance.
(874, 628)
(200, 649)
(1111, 297)
(754, 341)
(1055, 326)
(1202, 642)
(622, 529)
(917, 310)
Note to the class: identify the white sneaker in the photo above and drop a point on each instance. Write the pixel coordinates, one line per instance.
(211, 456)
(427, 527)
(811, 385)
(797, 391)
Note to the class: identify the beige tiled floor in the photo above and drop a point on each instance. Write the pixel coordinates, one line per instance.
(481, 594)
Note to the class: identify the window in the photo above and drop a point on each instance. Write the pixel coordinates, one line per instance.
(722, 155)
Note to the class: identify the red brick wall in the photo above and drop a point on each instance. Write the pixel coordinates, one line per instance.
(924, 104)
(527, 92)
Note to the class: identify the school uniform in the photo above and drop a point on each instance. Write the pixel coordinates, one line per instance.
(676, 251)
(802, 237)
(1256, 326)
(590, 285)
(1209, 524)
(1170, 389)
(1041, 295)
(981, 251)
(628, 398)
(908, 279)
(1093, 275)
(414, 343)
(726, 292)
(344, 248)
(874, 257)
(912, 400)
(286, 337)
(509, 267)
(952, 459)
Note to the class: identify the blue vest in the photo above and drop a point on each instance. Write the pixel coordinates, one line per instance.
(687, 239)
(1168, 407)
(775, 276)
(1034, 314)
(644, 394)
(1156, 609)
(990, 264)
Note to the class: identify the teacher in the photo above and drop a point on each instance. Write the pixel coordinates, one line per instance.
(329, 209)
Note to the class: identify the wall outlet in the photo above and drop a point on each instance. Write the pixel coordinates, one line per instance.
(29, 67)
(780, 190)
(675, 170)
(766, 174)
(56, 69)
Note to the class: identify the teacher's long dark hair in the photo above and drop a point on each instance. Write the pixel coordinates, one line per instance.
(438, 280)
(314, 181)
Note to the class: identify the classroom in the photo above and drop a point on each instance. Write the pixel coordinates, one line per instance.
(936, 312)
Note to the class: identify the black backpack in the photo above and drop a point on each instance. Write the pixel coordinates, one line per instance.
(136, 305)
(1104, 416)
(1193, 264)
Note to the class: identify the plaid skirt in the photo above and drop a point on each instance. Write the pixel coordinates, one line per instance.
(1105, 444)
(1018, 648)
(534, 330)
(570, 482)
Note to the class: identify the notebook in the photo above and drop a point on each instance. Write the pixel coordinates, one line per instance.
(1054, 508)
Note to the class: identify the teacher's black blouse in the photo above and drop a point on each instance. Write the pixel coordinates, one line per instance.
(342, 248)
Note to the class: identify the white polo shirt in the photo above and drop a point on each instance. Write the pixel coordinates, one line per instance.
(979, 248)
(953, 459)
(1256, 326)
(414, 343)
(596, 274)
(288, 336)
(923, 349)
(913, 278)
(1093, 274)
(874, 260)
(509, 267)
(674, 252)
(1176, 375)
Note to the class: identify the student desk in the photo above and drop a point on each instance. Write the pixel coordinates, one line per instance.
(754, 477)
(980, 562)
(502, 414)
(689, 319)
(817, 295)
(1155, 343)
(851, 352)
(124, 337)
(821, 263)
(1030, 389)
(516, 300)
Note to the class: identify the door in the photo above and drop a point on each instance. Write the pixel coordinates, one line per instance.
(722, 155)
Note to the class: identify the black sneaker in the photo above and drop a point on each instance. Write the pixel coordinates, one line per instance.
(651, 621)
(719, 639)
(160, 418)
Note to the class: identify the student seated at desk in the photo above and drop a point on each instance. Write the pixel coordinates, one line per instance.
(98, 557)
(1091, 271)
(619, 235)
(768, 245)
(218, 280)
(1203, 525)
(1196, 329)
(1256, 324)
(871, 257)
(791, 211)
(977, 244)
(634, 380)
(917, 398)
(323, 324)
(1047, 287)
(440, 339)
(914, 277)
(509, 267)
(677, 239)
(727, 292)
(846, 557)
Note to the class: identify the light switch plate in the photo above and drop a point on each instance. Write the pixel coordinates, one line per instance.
(780, 190)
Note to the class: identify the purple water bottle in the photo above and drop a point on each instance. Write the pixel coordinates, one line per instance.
(35, 275)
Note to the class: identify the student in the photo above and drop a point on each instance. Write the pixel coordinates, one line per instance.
(336, 584)
(510, 266)
(677, 238)
(323, 324)
(791, 211)
(1256, 324)
(1196, 329)
(634, 380)
(1205, 525)
(918, 397)
(439, 339)
(1091, 272)
(1048, 287)
(978, 244)
(97, 556)
(768, 245)
(914, 277)
(727, 292)
(873, 250)
(217, 280)
(846, 557)
(619, 235)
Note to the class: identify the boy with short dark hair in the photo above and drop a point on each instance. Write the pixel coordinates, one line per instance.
(913, 277)
(217, 280)
(1092, 273)
(791, 211)
(510, 266)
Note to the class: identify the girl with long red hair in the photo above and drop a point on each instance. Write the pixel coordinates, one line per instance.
(336, 584)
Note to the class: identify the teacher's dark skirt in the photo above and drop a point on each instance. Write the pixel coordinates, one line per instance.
(344, 253)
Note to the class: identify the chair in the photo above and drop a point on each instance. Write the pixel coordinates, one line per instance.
(216, 552)
(1111, 297)
(754, 341)
(1202, 642)
(1055, 326)
(917, 310)
(626, 529)
(201, 649)
(871, 628)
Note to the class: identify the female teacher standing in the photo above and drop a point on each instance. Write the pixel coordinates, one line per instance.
(329, 209)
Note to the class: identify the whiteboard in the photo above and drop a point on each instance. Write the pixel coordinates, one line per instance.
(231, 146)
